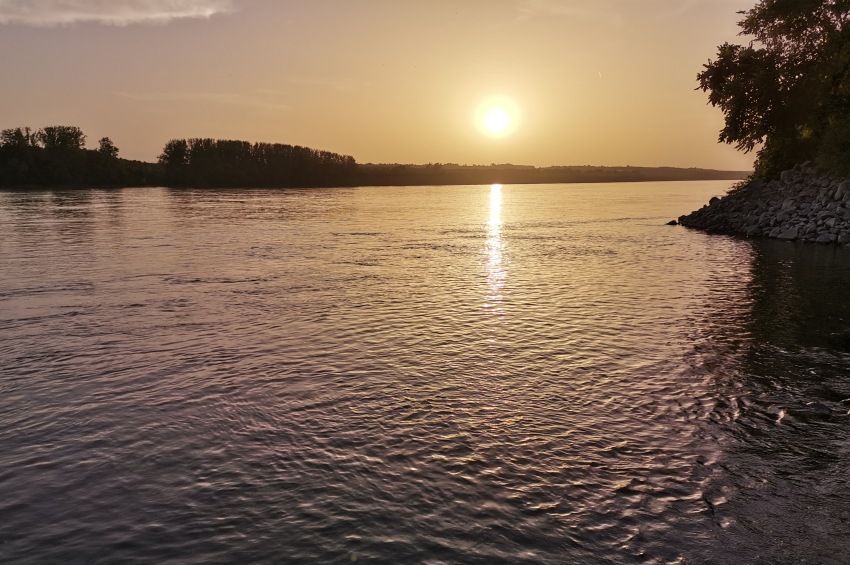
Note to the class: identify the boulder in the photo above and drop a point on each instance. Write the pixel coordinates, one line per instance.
(787, 234)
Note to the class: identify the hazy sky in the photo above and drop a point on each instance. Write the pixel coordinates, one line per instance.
(607, 82)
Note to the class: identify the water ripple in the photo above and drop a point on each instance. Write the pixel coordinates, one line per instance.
(517, 374)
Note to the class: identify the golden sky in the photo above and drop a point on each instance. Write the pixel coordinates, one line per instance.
(602, 82)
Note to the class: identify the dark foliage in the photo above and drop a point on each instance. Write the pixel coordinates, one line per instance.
(55, 156)
(221, 162)
(107, 148)
(788, 90)
(446, 174)
(61, 138)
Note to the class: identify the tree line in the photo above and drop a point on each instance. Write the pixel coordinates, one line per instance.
(57, 156)
(225, 162)
(451, 173)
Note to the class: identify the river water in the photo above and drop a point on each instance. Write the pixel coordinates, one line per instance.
(517, 374)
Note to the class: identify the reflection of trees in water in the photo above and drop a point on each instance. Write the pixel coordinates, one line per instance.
(74, 219)
(188, 206)
(69, 215)
(801, 295)
(783, 482)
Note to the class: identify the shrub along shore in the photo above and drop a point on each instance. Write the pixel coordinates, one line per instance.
(803, 204)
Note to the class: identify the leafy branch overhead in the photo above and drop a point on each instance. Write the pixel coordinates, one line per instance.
(787, 90)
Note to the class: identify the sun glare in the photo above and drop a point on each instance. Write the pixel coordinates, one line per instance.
(497, 117)
(497, 121)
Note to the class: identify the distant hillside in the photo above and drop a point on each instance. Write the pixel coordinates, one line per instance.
(403, 175)
(56, 156)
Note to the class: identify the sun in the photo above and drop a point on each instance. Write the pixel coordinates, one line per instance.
(497, 121)
(497, 116)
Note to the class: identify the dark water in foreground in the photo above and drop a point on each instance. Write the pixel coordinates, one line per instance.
(522, 374)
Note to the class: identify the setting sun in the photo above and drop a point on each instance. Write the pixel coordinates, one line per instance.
(497, 121)
(497, 117)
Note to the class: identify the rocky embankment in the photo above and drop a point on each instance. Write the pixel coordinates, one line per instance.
(801, 205)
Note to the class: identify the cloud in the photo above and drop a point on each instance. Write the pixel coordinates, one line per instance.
(616, 13)
(266, 99)
(341, 85)
(601, 11)
(109, 12)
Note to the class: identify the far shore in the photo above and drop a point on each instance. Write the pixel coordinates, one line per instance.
(435, 175)
(57, 157)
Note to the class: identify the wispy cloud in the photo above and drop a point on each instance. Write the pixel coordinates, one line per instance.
(266, 99)
(682, 7)
(601, 11)
(341, 85)
(109, 12)
(617, 13)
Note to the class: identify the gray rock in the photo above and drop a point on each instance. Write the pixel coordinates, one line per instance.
(801, 205)
(672, 223)
(788, 234)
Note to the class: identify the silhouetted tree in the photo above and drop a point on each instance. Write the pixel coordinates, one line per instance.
(55, 156)
(107, 148)
(17, 137)
(788, 90)
(175, 153)
(62, 137)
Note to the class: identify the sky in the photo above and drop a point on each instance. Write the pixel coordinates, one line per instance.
(585, 82)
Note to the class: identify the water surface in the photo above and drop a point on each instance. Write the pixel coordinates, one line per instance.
(517, 374)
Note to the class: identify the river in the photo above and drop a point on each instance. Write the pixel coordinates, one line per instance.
(476, 374)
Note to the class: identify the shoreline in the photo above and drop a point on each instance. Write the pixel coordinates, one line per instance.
(803, 204)
(35, 188)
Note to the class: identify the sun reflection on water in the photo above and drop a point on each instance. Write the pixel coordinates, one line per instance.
(495, 249)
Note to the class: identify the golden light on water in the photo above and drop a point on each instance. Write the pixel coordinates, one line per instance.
(495, 221)
(495, 248)
(497, 116)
